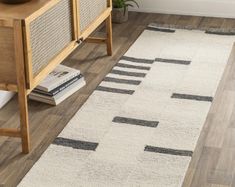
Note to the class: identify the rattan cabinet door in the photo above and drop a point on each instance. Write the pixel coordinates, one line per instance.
(88, 11)
(49, 34)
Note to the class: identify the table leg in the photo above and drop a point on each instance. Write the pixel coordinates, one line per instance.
(109, 35)
(21, 85)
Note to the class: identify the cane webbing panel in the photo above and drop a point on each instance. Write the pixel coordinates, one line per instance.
(89, 11)
(7, 56)
(50, 33)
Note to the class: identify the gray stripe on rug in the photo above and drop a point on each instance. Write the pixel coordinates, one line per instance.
(114, 90)
(160, 29)
(122, 81)
(75, 144)
(132, 66)
(216, 31)
(173, 61)
(137, 60)
(133, 121)
(192, 97)
(168, 151)
(220, 33)
(172, 26)
(128, 73)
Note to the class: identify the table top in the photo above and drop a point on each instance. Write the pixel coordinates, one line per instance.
(21, 11)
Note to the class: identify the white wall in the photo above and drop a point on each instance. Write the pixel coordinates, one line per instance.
(214, 8)
(5, 97)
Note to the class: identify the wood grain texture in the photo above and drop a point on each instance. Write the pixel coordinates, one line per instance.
(25, 10)
(213, 162)
(109, 33)
(22, 90)
(7, 68)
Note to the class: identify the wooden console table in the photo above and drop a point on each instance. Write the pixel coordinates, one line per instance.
(37, 36)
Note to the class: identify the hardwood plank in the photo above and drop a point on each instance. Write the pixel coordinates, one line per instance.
(191, 21)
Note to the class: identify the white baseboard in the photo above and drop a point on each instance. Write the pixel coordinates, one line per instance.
(5, 97)
(209, 8)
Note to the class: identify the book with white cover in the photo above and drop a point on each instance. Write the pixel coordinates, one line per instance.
(58, 98)
(60, 75)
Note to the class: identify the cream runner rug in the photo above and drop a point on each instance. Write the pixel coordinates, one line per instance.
(141, 125)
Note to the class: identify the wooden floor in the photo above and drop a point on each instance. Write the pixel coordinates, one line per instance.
(213, 163)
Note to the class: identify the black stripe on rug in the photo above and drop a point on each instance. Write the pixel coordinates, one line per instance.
(173, 61)
(132, 66)
(122, 81)
(137, 60)
(132, 121)
(128, 73)
(192, 97)
(220, 33)
(168, 151)
(75, 144)
(114, 90)
(160, 29)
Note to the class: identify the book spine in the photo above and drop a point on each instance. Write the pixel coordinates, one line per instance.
(39, 95)
(50, 102)
(62, 87)
(59, 98)
(58, 89)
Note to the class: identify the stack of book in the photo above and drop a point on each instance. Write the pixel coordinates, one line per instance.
(58, 85)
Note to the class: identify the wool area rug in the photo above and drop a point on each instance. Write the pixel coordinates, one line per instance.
(141, 124)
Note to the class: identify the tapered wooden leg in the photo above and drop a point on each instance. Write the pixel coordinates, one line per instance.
(24, 121)
(21, 85)
(109, 41)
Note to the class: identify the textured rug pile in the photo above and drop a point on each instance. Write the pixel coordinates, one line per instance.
(141, 124)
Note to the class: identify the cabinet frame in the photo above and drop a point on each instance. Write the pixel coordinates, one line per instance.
(25, 81)
(32, 81)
